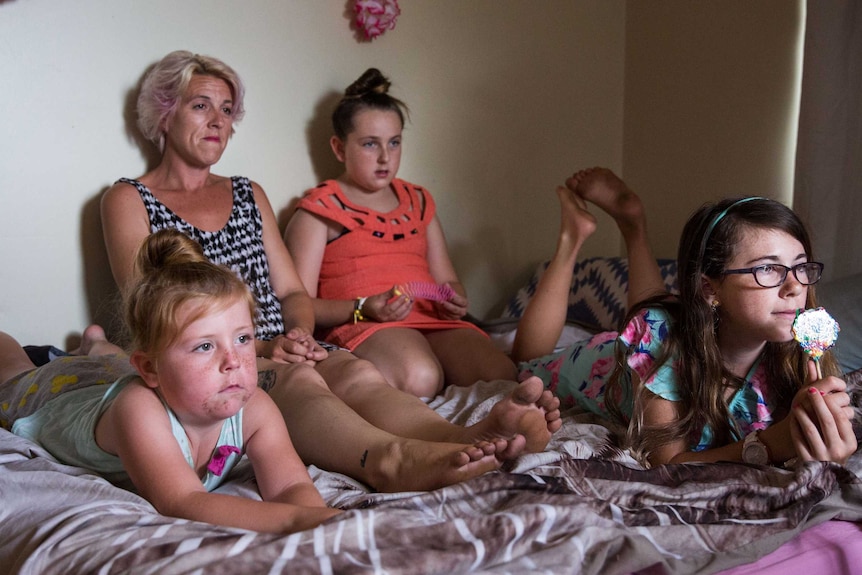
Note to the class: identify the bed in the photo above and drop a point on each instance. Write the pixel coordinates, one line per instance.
(582, 506)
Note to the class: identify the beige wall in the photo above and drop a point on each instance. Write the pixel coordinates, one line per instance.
(507, 98)
(711, 104)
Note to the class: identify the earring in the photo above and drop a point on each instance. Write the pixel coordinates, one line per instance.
(715, 305)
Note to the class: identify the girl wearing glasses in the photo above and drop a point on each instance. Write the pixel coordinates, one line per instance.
(712, 373)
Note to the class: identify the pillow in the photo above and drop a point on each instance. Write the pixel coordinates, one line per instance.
(597, 297)
(854, 378)
(842, 298)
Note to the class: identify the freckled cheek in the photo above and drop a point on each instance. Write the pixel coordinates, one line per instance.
(248, 364)
(248, 361)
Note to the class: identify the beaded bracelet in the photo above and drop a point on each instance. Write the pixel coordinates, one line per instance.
(357, 309)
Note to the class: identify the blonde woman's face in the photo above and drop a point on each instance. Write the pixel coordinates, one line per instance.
(201, 126)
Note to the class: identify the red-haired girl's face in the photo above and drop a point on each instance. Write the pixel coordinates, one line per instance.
(210, 371)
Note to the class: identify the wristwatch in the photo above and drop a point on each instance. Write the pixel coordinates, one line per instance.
(754, 450)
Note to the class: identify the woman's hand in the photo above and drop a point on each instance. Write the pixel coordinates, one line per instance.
(391, 305)
(296, 346)
(821, 420)
(454, 308)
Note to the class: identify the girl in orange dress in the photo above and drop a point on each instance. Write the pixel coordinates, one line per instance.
(371, 251)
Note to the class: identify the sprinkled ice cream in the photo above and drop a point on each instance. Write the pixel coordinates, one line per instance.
(816, 331)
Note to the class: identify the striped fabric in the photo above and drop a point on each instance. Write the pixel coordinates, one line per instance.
(597, 297)
(582, 506)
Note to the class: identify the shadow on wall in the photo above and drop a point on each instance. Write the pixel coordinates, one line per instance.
(477, 262)
(284, 215)
(103, 297)
(318, 131)
(149, 151)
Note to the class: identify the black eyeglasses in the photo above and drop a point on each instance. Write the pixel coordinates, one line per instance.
(773, 275)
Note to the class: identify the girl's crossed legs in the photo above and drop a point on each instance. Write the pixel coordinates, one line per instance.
(543, 319)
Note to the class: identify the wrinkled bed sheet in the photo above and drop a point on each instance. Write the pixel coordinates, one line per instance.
(582, 506)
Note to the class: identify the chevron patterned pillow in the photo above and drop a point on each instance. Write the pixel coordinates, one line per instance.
(598, 293)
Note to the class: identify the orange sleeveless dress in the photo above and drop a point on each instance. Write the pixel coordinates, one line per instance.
(375, 252)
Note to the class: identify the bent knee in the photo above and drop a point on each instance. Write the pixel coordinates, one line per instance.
(353, 372)
(419, 378)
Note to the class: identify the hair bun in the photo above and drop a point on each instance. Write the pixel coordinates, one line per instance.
(372, 81)
(371, 90)
(166, 248)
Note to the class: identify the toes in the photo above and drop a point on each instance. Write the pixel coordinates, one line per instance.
(528, 391)
(514, 447)
(570, 195)
(500, 445)
(548, 401)
(94, 332)
(462, 458)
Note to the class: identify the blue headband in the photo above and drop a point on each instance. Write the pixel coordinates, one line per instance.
(715, 222)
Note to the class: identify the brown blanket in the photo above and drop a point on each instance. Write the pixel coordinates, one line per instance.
(552, 512)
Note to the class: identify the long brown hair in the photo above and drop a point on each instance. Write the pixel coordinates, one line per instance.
(708, 243)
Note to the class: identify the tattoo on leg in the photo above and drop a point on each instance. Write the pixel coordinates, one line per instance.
(364, 457)
(266, 379)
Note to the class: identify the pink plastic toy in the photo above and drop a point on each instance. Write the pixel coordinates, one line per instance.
(426, 290)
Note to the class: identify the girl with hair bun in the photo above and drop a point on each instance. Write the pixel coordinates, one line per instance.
(179, 423)
(371, 251)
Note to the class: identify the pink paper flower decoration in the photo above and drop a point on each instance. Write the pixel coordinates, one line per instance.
(374, 17)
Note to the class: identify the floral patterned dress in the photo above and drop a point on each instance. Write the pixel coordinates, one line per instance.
(577, 375)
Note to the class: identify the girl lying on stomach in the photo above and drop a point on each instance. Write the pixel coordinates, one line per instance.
(182, 421)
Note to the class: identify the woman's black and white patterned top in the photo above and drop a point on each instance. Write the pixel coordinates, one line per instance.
(238, 245)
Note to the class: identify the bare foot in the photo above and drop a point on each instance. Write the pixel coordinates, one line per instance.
(94, 342)
(576, 222)
(530, 410)
(605, 189)
(416, 465)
